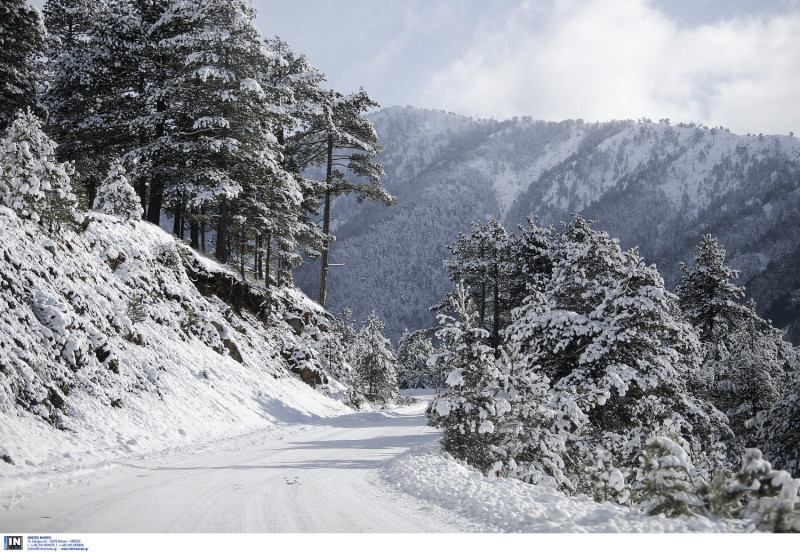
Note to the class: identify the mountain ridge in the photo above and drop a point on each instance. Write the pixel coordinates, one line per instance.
(655, 186)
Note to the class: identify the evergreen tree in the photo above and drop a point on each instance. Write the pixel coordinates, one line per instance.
(339, 348)
(707, 296)
(533, 432)
(481, 261)
(413, 352)
(339, 137)
(668, 486)
(291, 84)
(375, 363)
(95, 74)
(777, 433)
(22, 36)
(34, 183)
(220, 142)
(116, 196)
(529, 262)
(752, 376)
(608, 335)
(470, 406)
(744, 357)
(770, 497)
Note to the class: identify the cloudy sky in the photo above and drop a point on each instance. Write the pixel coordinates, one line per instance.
(734, 63)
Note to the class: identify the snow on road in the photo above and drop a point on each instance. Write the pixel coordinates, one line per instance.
(300, 478)
(364, 472)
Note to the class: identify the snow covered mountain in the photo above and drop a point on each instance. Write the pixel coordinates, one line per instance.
(656, 186)
(123, 340)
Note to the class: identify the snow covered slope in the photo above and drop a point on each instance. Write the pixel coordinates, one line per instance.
(655, 186)
(117, 339)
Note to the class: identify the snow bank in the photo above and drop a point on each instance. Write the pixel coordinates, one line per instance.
(109, 350)
(513, 506)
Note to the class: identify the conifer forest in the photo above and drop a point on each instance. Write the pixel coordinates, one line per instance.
(526, 326)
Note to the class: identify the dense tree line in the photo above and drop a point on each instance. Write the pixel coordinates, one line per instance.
(205, 119)
(598, 380)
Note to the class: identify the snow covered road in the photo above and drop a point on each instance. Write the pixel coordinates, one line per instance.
(304, 478)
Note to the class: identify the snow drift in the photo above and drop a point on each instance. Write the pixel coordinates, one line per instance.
(118, 339)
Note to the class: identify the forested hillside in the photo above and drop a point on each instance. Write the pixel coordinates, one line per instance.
(173, 112)
(656, 186)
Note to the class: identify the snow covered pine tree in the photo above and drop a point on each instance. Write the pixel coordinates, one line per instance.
(34, 183)
(375, 364)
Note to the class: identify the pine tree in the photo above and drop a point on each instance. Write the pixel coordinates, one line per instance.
(221, 141)
(22, 36)
(413, 352)
(472, 402)
(707, 296)
(290, 83)
(34, 183)
(528, 260)
(482, 262)
(609, 336)
(668, 487)
(95, 74)
(339, 137)
(116, 196)
(533, 431)
(770, 497)
(777, 433)
(338, 350)
(744, 356)
(375, 363)
(753, 375)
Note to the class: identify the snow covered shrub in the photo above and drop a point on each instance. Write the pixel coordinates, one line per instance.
(770, 497)
(116, 196)
(668, 487)
(33, 182)
(608, 482)
(532, 431)
(717, 499)
(473, 399)
(137, 312)
(778, 434)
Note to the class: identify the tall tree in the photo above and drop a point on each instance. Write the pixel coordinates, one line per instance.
(499, 269)
(340, 138)
(481, 263)
(219, 124)
(376, 364)
(707, 295)
(94, 90)
(22, 37)
(291, 84)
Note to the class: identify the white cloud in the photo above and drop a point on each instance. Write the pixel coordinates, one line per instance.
(607, 59)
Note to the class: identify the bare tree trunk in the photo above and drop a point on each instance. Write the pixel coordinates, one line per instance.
(157, 182)
(326, 228)
(223, 250)
(203, 229)
(496, 324)
(268, 260)
(194, 229)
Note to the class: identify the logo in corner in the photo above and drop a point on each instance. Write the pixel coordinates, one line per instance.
(12, 543)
